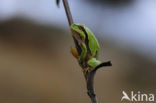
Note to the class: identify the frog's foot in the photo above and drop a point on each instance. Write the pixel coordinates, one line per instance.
(86, 70)
(93, 62)
(74, 52)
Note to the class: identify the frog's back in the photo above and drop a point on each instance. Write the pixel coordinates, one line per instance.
(93, 43)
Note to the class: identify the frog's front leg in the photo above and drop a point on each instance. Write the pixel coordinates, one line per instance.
(83, 54)
(74, 52)
(93, 62)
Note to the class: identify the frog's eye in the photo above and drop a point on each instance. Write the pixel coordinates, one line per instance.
(80, 27)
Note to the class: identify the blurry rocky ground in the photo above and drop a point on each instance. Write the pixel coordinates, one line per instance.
(37, 67)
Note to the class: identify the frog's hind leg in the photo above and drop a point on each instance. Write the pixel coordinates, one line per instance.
(83, 54)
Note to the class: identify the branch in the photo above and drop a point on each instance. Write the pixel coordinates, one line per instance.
(90, 80)
(67, 9)
(102, 65)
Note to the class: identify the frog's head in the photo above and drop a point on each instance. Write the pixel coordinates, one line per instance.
(78, 29)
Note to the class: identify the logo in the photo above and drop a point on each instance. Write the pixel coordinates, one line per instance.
(137, 97)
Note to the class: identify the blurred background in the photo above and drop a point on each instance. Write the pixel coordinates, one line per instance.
(35, 61)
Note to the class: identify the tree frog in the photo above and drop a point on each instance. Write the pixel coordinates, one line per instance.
(88, 44)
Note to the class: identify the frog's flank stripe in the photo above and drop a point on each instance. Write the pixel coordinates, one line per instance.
(86, 39)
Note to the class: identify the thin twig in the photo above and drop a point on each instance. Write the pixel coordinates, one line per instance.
(90, 75)
(68, 12)
(67, 9)
(69, 17)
